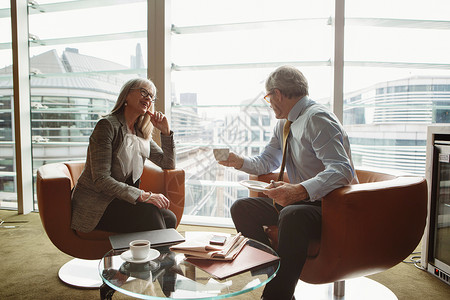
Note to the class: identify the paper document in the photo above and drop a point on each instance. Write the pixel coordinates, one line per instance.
(201, 248)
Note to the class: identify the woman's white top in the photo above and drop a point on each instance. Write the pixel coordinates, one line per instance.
(132, 154)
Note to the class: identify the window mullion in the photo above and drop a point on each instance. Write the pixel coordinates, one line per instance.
(22, 106)
(338, 59)
(159, 65)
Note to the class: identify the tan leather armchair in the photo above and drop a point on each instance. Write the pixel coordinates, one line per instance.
(366, 228)
(54, 184)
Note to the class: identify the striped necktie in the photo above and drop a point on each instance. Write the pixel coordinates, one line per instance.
(286, 130)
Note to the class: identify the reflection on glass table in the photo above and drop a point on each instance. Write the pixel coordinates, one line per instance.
(171, 276)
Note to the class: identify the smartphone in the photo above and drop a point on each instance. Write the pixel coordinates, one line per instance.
(218, 240)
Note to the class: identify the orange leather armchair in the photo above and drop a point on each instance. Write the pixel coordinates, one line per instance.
(54, 184)
(366, 228)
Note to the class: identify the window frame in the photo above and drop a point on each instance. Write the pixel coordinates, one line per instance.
(159, 30)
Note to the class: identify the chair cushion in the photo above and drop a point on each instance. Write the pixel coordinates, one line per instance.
(365, 176)
(75, 169)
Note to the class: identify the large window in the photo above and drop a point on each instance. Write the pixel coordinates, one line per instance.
(80, 54)
(79, 66)
(222, 52)
(8, 198)
(397, 79)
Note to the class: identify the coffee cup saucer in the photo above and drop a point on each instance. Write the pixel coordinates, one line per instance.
(255, 185)
(152, 254)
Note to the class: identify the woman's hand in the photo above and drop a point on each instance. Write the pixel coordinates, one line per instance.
(160, 122)
(158, 200)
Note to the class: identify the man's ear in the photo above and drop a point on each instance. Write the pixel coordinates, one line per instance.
(277, 92)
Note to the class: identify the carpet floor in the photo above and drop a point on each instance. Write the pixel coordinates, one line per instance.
(30, 264)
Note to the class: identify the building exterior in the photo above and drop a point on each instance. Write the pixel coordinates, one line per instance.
(387, 122)
(64, 109)
(386, 125)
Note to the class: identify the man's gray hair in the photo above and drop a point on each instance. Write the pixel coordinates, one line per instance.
(289, 80)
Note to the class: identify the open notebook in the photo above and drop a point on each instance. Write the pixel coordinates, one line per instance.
(158, 238)
(201, 248)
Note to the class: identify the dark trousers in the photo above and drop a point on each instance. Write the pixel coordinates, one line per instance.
(121, 216)
(298, 224)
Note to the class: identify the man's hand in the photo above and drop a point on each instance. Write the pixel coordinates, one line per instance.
(234, 160)
(286, 193)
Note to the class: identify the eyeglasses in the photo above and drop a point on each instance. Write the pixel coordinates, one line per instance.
(267, 97)
(145, 94)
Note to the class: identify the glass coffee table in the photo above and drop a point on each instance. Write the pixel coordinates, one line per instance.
(170, 276)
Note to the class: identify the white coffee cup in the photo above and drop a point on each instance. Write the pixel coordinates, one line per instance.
(140, 249)
(221, 153)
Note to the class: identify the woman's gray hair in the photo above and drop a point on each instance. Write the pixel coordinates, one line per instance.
(132, 83)
(143, 124)
(289, 80)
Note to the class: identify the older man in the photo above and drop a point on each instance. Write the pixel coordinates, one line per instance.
(309, 141)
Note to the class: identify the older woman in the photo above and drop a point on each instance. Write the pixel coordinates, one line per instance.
(107, 195)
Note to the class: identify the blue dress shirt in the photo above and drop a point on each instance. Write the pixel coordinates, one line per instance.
(318, 154)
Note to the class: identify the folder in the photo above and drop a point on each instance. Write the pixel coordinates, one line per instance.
(158, 238)
(250, 258)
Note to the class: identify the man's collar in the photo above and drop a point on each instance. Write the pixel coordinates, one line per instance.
(299, 108)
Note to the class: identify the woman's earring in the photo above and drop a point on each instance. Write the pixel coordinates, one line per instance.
(126, 104)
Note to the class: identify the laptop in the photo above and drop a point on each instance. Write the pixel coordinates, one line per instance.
(158, 238)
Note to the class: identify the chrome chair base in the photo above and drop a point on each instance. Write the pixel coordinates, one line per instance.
(81, 273)
(355, 289)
